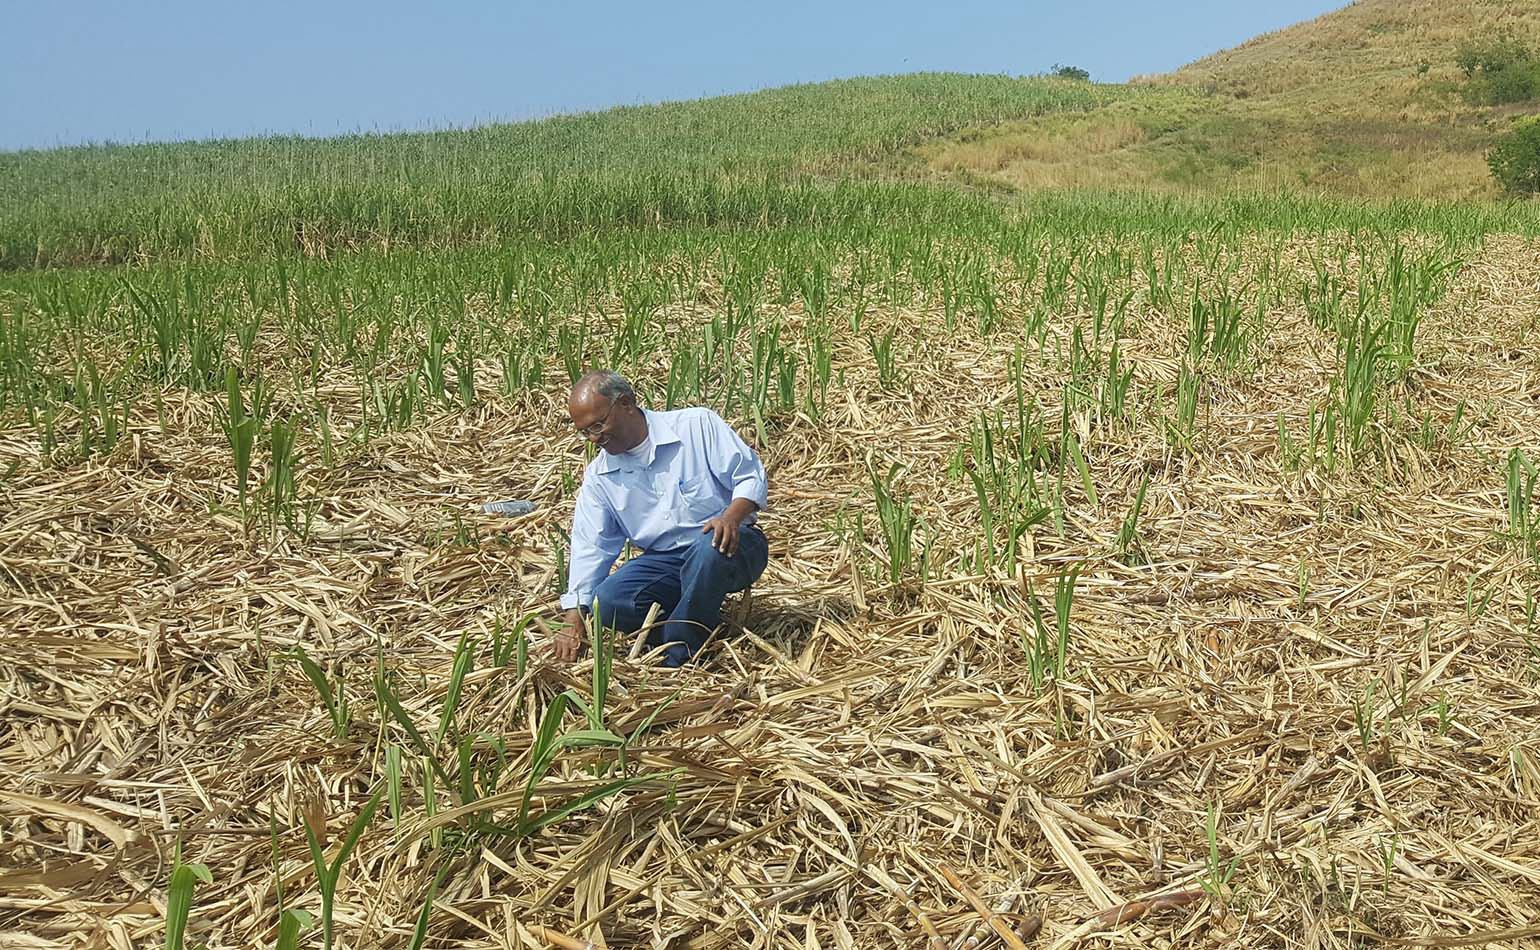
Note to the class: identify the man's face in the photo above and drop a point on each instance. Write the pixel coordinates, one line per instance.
(612, 425)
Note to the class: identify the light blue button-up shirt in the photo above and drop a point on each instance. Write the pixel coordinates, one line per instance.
(694, 467)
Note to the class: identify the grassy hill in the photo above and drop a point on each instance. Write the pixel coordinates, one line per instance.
(1362, 102)
(728, 160)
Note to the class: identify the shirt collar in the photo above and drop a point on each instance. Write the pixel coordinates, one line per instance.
(658, 428)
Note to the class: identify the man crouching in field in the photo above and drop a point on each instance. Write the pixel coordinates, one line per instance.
(684, 488)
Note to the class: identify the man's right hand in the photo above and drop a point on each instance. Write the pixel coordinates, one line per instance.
(569, 639)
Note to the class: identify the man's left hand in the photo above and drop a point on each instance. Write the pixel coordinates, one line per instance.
(724, 527)
(724, 532)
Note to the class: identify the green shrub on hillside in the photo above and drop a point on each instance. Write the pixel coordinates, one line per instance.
(1515, 159)
(1498, 70)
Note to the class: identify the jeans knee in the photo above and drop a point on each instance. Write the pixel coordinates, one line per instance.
(704, 557)
(611, 607)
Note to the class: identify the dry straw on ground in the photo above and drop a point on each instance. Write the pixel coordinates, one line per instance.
(864, 766)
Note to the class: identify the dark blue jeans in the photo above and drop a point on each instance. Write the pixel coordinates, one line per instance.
(689, 585)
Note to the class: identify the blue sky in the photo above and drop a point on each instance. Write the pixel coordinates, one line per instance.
(91, 71)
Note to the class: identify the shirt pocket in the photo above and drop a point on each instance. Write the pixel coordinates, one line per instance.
(698, 496)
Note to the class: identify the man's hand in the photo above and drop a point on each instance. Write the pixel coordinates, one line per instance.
(724, 527)
(569, 639)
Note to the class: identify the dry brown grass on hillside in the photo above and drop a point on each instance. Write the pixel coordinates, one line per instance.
(1357, 55)
(1363, 102)
(1233, 145)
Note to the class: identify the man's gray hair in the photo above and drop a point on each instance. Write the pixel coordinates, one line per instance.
(607, 383)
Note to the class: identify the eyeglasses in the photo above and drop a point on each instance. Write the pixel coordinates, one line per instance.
(596, 428)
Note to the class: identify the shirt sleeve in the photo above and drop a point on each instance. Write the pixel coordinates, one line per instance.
(596, 542)
(734, 463)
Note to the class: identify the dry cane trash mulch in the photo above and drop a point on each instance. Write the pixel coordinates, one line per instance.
(1334, 672)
